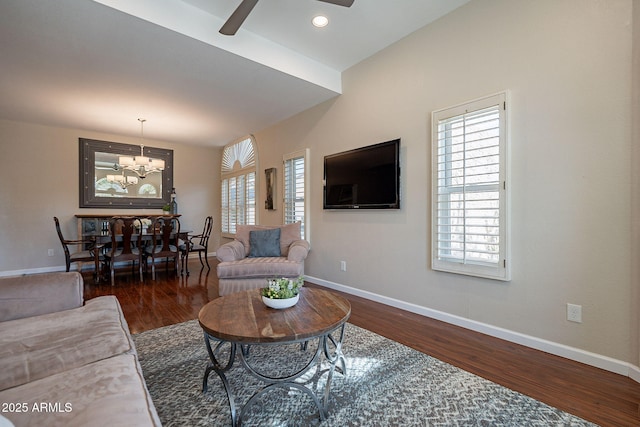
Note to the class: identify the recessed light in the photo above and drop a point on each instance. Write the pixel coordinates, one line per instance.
(320, 21)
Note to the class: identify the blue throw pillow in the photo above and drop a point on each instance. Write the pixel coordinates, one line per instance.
(264, 243)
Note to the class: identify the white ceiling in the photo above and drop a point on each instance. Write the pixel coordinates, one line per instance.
(100, 65)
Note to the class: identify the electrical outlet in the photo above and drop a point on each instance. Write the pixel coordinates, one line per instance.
(50, 252)
(343, 265)
(574, 313)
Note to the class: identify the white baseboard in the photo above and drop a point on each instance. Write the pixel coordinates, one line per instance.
(571, 353)
(74, 267)
(34, 271)
(634, 373)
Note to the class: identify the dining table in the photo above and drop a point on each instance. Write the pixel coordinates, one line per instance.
(103, 237)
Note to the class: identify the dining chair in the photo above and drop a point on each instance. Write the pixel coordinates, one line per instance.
(164, 242)
(126, 244)
(85, 254)
(198, 243)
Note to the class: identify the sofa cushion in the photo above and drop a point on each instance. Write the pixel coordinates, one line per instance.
(288, 234)
(260, 267)
(40, 346)
(109, 392)
(35, 294)
(264, 243)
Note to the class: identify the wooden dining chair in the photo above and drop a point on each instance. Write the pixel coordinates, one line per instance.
(85, 254)
(164, 242)
(198, 243)
(126, 244)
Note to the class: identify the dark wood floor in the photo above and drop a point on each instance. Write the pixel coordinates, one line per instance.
(593, 394)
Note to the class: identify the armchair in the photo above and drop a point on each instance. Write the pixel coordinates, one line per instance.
(258, 253)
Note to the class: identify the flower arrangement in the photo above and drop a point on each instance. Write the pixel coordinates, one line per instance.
(146, 222)
(282, 288)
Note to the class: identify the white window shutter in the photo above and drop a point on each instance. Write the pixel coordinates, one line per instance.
(469, 192)
(295, 190)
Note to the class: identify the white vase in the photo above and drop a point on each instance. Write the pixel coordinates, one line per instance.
(280, 303)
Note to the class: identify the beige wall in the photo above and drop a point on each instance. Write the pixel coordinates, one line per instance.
(39, 167)
(567, 65)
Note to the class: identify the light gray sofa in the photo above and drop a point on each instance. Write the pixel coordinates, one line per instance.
(238, 270)
(65, 363)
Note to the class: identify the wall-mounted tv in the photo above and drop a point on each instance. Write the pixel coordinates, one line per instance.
(364, 178)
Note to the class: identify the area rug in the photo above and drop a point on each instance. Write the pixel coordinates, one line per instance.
(386, 384)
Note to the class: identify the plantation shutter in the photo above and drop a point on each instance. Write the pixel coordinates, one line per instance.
(295, 189)
(225, 219)
(249, 199)
(469, 229)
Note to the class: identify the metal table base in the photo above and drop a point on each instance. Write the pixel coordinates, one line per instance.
(329, 344)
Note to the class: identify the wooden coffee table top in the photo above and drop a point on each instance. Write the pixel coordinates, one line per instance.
(242, 317)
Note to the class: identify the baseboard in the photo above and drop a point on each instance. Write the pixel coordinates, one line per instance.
(571, 353)
(74, 267)
(195, 255)
(33, 271)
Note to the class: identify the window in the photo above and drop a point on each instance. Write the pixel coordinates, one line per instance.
(295, 193)
(469, 189)
(109, 189)
(147, 189)
(238, 175)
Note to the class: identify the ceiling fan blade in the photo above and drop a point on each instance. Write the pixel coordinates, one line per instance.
(345, 3)
(237, 17)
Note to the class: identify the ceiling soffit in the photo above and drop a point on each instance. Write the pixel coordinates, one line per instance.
(197, 24)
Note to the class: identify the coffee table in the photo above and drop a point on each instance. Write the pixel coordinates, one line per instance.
(242, 320)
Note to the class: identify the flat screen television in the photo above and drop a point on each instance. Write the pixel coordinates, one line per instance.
(364, 178)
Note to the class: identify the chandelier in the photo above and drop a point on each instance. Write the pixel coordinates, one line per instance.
(141, 165)
(122, 180)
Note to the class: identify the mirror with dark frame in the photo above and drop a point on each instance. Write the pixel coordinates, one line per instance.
(107, 181)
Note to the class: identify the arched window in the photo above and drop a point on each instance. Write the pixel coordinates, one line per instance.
(104, 188)
(238, 176)
(147, 190)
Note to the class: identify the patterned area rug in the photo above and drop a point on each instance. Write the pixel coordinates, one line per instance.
(386, 384)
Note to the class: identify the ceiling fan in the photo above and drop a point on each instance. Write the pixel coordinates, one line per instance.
(244, 9)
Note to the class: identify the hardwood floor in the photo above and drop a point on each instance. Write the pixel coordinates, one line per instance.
(596, 395)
